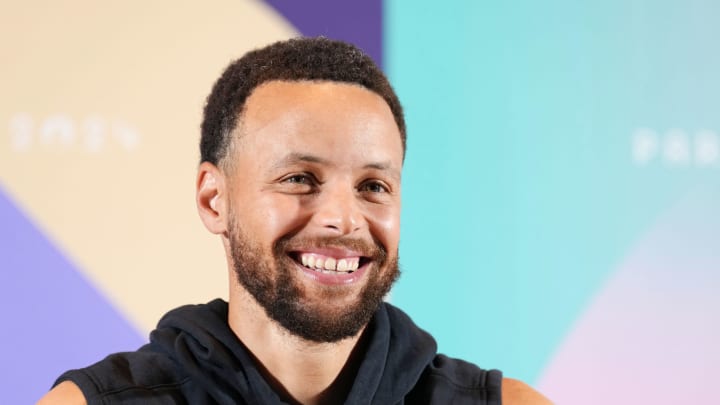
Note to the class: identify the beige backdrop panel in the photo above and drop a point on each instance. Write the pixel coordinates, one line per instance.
(102, 103)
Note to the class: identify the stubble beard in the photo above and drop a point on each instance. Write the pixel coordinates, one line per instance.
(275, 285)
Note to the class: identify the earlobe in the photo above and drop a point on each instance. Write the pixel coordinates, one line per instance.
(210, 191)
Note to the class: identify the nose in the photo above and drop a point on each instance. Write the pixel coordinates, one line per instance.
(338, 210)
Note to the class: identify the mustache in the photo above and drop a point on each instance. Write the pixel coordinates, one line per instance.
(375, 250)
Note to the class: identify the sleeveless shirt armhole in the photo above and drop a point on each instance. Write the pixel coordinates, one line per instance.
(493, 386)
(88, 386)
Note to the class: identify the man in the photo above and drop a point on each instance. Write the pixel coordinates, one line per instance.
(301, 156)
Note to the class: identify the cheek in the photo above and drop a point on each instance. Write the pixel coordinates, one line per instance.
(385, 226)
(275, 216)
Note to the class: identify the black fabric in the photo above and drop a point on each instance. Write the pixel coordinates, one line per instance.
(194, 358)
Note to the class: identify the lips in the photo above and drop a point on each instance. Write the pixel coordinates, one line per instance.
(320, 262)
(332, 261)
(332, 265)
(356, 266)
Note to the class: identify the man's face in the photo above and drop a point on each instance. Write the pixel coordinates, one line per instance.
(314, 205)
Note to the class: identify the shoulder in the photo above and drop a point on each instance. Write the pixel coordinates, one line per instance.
(448, 380)
(65, 393)
(516, 392)
(120, 376)
(465, 374)
(448, 377)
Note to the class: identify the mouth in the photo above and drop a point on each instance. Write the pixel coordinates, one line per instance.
(339, 263)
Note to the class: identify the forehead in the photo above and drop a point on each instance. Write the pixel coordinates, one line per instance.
(319, 116)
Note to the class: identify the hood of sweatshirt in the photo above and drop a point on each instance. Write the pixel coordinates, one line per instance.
(198, 338)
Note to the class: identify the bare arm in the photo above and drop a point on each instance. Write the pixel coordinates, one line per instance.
(516, 392)
(65, 393)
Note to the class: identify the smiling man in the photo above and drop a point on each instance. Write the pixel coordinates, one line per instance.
(301, 157)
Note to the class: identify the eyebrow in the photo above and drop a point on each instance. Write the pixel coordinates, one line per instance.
(384, 167)
(296, 157)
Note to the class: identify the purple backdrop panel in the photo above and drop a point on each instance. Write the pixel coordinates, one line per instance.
(357, 22)
(53, 319)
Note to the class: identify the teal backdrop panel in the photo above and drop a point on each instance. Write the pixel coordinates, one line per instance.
(545, 139)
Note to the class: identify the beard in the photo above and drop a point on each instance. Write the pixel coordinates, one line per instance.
(273, 282)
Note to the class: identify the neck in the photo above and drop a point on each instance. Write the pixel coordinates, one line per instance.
(305, 372)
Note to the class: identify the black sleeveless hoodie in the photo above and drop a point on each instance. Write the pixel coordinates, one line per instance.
(194, 358)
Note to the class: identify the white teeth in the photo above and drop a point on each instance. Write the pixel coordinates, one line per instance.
(329, 264)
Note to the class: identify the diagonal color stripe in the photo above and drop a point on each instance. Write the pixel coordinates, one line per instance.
(357, 22)
(47, 309)
(651, 333)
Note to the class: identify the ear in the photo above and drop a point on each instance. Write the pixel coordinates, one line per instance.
(210, 196)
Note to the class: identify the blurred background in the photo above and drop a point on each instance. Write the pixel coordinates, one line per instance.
(560, 189)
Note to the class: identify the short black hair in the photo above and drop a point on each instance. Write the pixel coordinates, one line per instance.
(297, 59)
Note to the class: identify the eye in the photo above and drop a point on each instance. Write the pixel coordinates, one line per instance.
(299, 183)
(302, 178)
(374, 186)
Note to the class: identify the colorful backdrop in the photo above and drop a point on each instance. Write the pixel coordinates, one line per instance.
(560, 190)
